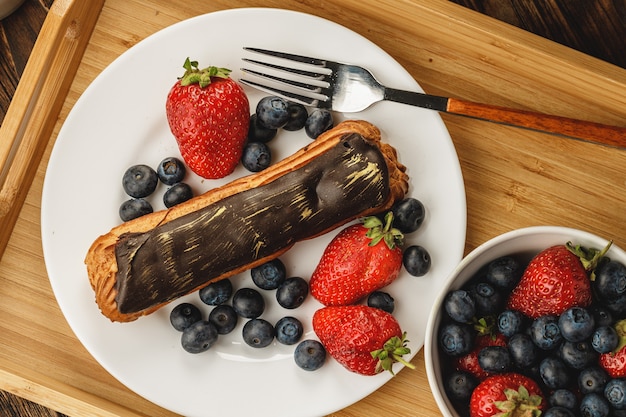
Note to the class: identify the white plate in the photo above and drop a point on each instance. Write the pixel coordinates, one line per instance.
(120, 121)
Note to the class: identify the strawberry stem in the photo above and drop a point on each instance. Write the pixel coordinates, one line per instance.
(378, 231)
(519, 402)
(202, 77)
(392, 352)
(620, 329)
(485, 326)
(589, 257)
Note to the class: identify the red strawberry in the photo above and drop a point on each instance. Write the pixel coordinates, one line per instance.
(209, 115)
(361, 259)
(510, 393)
(469, 362)
(555, 280)
(614, 363)
(365, 340)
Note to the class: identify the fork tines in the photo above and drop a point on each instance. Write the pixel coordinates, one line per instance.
(303, 84)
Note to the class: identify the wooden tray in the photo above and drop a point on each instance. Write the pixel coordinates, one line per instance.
(514, 178)
(35, 106)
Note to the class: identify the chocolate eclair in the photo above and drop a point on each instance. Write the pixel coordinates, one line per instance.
(143, 264)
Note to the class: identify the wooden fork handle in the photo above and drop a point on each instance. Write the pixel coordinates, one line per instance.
(580, 129)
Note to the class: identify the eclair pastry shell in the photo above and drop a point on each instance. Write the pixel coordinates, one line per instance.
(101, 261)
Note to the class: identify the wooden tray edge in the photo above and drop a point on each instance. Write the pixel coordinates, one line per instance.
(38, 99)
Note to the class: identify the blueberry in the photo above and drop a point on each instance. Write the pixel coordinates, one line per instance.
(522, 350)
(592, 379)
(459, 385)
(217, 292)
(594, 405)
(494, 359)
(269, 275)
(184, 315)
(297, 116)
(176, 194)
(576, 324)
(248, 303)
(256, 156)
(292, 292)
(318, 122)
(558, 412)
(610, 281)
(408, 215)
(577, 355)
(544, 332)
(604, 339)
(460, 306)
(382, 301)
(139, 181)
(309, 355)
(199, 337)
(487, 297)
(272, 112)
(258, 333)
(615, 393)
(133, 208)
(554, 373)
(456, 339)
(171, 170)
(563, 398)
(510, 322)
(416, 260)
(504, 272)
(259, 133)
(289, 330)
(224, 318)
(601, 315)
(616, 306)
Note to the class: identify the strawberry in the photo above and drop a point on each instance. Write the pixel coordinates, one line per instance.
(363, 339)
(509, 394)
(486, 337)
(555, 280)
(209, 115)
(614, 363)
(361, 259)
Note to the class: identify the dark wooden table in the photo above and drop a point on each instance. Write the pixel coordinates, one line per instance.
(595, 27)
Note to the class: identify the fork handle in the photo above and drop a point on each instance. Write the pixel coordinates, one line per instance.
(575, 128)
(579, 129)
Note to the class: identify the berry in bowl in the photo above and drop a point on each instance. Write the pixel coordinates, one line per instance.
(534, 319)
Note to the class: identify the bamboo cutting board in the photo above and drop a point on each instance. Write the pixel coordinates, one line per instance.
(513, 178)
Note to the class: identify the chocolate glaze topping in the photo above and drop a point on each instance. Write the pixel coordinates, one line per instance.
(183, 254)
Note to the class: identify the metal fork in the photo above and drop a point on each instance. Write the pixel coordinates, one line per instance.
(349, 88)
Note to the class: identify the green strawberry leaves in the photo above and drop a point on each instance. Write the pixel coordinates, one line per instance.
(589, 257)
(378, 231)
(392, 352)
(519, 403)
(202, 77)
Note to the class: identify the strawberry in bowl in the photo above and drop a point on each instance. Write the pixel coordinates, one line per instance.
(553, 300)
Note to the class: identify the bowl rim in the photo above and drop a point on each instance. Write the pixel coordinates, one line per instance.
(548, 235)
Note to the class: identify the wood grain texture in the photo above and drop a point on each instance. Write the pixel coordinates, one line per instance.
(13, 406)
(18, 33)
(588, 26)
(35, 106)
(514, 178)
(594, 27)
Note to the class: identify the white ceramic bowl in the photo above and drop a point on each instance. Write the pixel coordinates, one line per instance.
(522, 242)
